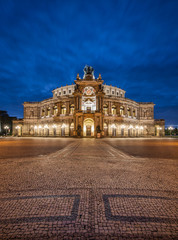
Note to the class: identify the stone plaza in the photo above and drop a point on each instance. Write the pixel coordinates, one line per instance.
(87, 188)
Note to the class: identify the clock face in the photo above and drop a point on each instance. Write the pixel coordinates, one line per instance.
(88, 91)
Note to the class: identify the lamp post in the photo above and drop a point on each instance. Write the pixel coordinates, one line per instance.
(6, 128)
(170, 129)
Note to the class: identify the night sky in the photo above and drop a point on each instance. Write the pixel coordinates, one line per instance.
(133, 44)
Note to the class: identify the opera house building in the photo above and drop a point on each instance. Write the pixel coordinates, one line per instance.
(89, 108)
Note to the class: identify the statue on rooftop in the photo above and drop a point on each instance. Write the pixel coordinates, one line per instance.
(88, 70)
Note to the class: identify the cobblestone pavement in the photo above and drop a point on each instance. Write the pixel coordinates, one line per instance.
(88, 190)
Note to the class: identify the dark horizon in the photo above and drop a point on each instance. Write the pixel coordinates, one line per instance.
(44, 44)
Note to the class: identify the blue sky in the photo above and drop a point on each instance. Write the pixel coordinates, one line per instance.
(133, 44)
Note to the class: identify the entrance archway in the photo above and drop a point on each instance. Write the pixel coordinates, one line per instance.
(88, 128)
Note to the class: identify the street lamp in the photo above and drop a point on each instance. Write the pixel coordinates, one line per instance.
(6, 128)
(170, 129)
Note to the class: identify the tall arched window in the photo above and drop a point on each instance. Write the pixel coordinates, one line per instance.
(121, 110)
(134, 113)
(105, 109)
(128, 112)
(63, 109)
(43, 112)
(114, 110)
(48, 111)
(63, 130)
(71, 129)
(105, 129)
(55, 110)
(72, 109)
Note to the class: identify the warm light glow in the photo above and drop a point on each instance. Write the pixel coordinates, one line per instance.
(40, 126)
(141, 127)
(170, 128)
(35, 127)
(122, 126)
(46, 126)
(136, 127)
(6, 127)
(113, 126)
(63, 125)
(18, 127)
(54, 126)
(130, 127)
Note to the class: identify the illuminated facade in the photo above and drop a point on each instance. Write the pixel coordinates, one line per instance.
(89, 108)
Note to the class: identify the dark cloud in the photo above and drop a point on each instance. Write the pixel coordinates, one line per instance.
(133, 44)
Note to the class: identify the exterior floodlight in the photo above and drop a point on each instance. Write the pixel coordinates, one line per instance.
(6, 128)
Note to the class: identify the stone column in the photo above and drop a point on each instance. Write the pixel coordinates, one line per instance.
(109, 108)
(67, 107)
(59, 108)
(97, 103)
(125, 110)
(118, 110)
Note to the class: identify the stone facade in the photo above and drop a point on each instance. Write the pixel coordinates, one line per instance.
(89, 108)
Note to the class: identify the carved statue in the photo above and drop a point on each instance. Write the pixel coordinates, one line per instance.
(88, 70)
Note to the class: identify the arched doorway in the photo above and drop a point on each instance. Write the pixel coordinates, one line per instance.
(88, 128)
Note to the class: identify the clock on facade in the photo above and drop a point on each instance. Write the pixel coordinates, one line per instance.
(88, 91)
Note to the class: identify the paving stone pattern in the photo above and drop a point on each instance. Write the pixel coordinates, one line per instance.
(88, 190)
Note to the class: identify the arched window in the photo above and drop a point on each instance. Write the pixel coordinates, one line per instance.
(113, 127)
(134, 113)
(48, 112)
(43, 113)
(71, 129)
(63, 130)
(114, 110)
(63, 109)
(105, 109)
(128, 111)
(105, 129)
(121, 110)
(54, 129)
(55, 110)
(72, 109)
